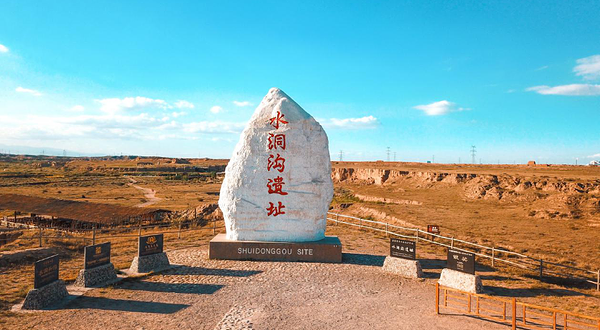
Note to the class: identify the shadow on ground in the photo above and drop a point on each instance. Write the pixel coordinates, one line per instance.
(190, 270)
(125, 305)
(171, 287)
(522, 292)
(363, 259)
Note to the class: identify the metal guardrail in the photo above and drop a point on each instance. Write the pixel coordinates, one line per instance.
(493, 253)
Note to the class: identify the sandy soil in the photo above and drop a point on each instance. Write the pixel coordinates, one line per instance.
(209, 294)
(149, 194)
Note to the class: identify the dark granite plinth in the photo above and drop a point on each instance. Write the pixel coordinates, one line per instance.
(328, 249)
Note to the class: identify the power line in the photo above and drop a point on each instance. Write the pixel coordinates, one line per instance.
(388, 154)
(341, 155)
(473, 153)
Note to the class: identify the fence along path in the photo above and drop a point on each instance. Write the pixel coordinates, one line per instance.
(540, 266)
(518, 314)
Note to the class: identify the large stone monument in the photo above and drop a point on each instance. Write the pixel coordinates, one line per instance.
(277, 188)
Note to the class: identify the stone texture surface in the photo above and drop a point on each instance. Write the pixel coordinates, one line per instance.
(461, 281)
(244, 197)
(96, 276)
(46, 295)
(403, 267)
(238, 318)
(202, 292)
(146, 264)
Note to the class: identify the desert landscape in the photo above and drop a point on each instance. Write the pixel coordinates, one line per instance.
(549, 212)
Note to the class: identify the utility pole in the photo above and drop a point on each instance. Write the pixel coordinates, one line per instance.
(341, 155)
(473, 153)
(388, 154)
(64, 153)
(576, 160)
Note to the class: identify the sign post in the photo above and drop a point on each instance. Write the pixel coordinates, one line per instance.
(96, 255)
(46, 271)
(404, 249)
(461, 261)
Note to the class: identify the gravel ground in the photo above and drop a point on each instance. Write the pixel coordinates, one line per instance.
(211, 294)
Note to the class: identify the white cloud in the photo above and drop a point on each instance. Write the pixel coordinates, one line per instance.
(3, 49)
(77, 108)
(439, 108)
(242, 103)
(588, 67)
(572, 90)
(28, 91)
(178, 114)
(213, 127)
(216, 109)
(366, 122)
(542, 68)
(116, 105)
(183, 104)
(594, 156)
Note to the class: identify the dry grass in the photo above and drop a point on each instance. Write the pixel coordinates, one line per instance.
(490, 222)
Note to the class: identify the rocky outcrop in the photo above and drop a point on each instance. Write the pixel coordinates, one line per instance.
(546, 197)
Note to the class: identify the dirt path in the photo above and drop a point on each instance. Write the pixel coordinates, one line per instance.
(211, 294)
(149, 194)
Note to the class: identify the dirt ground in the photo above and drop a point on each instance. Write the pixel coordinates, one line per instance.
(209, 294)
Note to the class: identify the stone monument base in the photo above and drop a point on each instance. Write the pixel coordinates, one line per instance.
(403, 267)
(46, 295)
(461, 281)
(154, 262)
(97, 276)
(328, 249)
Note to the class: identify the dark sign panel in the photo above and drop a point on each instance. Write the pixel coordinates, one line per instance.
(434, 229)
(97, 255)
(404, 249)
(150, 245)
(46, 271)
(461, 261)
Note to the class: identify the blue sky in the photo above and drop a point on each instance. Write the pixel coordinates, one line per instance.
(518, 79)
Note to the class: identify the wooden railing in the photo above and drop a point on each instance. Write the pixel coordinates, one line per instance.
(539, 266)
(511, 312)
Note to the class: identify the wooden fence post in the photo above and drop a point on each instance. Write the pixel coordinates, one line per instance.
(598, 289)
(41, 233)
(493, 255)
(417, 236)
(140, 228)
(214, 226)
(94, 235)
(336, 219)
(179, 232)
(387, 232)
(452, 242)
(437, 298)
(541, 268)
(514, 313)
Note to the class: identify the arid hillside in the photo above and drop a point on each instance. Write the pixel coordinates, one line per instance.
(550, 211)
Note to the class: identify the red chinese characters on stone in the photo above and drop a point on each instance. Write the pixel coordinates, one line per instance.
(276, 162)
(275, 186)
(275, 210)
(278, 119)
(276, 141)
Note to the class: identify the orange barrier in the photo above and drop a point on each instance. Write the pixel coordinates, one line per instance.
(522, 315)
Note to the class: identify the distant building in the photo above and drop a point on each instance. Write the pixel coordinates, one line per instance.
(531, 163)
(594, 163)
